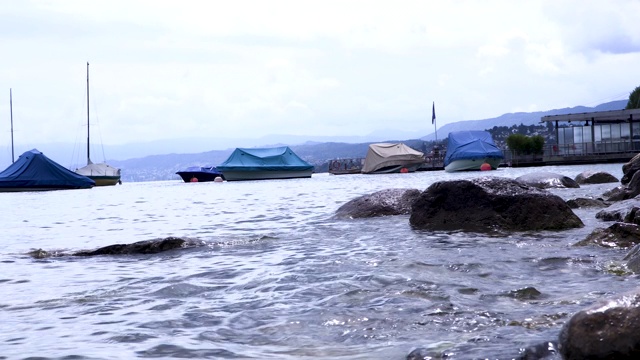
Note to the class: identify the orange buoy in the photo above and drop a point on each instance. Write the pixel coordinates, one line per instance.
(404, 170)
(485, 167)
(194, 179)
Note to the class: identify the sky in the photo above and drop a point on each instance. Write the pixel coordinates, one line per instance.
(245, 69)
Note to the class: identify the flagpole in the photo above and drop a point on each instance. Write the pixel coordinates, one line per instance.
(433, 120)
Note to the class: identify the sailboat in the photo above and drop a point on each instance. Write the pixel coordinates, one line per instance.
(102, 173)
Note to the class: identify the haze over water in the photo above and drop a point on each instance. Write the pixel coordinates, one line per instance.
(277, 277)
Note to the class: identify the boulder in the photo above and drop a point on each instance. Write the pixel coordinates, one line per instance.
(623, 192)
(547, 180)
(618, 235)
(380, 203)
(605, 331)
(595, 177)
(586, 203)
(489, 204)
(629, 169)
(624, 211)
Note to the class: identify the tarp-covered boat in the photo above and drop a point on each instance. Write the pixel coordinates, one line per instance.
(264, 163)
(383, 158)
(468, 150)
(33, 171)
(200, 174)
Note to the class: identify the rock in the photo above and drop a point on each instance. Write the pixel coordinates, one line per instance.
(380, 203)
(586, 203)
(140, 247)
(547, 180)
(607, 331)
(629, 169)
(618, 235)
(624, 211)
(595, 177)
(490, 204)
(628, 191)
(633, 259)
(545, 350)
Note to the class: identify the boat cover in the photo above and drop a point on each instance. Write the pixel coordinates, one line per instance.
(383, 155)
(261, 159)
(100, 169)
(471, 145)
(34, 170)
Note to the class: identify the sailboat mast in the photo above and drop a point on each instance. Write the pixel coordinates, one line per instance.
(88, 155)
(11, 111)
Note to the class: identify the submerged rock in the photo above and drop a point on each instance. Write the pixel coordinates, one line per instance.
(595, 177)
(545, 350)
(586, 203)
(618, 235)
(140, 247)
(380, 203)
(490, 203)
(606, 331)
(633, 259)
(547, 180)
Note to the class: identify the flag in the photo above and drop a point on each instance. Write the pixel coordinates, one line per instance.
(433, 113)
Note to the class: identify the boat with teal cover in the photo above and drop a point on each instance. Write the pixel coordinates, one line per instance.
(264, 163)
(469, 150)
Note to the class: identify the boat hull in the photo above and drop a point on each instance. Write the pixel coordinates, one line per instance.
(239, 175)
(396, 169)
(105, 180)
(471, 164)
(199, 175)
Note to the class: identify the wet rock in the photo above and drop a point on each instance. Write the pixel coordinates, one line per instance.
(488, 204)
(629, 169)
(545, 350)
(595, 177)
(380, 203)
(623, 192)
(423, 354)
(547, 180)
(618, 235)
(606, 331)
(633, 259)
(624, 211)
(140, 247)
(586, 203)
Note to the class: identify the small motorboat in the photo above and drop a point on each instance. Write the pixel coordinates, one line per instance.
(200, 174)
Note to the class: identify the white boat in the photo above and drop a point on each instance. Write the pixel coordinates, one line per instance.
(471, 150)
(102, 173)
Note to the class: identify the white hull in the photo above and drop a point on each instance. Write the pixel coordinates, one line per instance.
(469, 165)
(265, 175)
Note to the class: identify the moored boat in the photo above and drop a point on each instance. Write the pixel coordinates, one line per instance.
(385, 158)
(469, 150)
(263, 164)
(200, 174)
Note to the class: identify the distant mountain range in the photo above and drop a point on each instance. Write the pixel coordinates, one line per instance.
(150, 160)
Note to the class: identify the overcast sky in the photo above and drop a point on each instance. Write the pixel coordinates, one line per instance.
(174, 69)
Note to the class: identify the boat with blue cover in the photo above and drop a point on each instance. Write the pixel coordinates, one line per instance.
(469, 150)
(264, 163)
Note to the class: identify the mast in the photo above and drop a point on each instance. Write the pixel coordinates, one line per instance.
(88, 156)
(11, 111)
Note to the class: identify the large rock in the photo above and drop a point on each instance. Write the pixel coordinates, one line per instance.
(381, 203)
(624, 211)
(586, 203)
(547, 180)
(595, 177)
(623, 192)
(606, 331)
(490, 203)
(629, 169)
(618, 235)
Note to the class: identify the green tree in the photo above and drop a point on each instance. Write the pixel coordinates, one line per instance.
(634, 99)
(525, 145)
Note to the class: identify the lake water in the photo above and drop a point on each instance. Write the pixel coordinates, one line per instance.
(278, 278)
